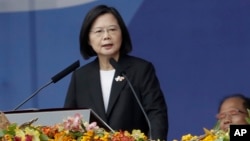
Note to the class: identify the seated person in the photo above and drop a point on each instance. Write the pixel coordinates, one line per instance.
(233, 110)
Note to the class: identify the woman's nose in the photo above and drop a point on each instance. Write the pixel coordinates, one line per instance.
(106, 35)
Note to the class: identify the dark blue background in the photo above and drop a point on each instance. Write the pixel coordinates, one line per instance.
(200, 50)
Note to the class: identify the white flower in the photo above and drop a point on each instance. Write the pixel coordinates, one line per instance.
(119, 78)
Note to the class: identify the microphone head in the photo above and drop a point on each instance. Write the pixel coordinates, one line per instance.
(113, 63)
(116, 66)
(66, 71)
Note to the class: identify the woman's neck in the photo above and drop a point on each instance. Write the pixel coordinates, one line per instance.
(105, 64)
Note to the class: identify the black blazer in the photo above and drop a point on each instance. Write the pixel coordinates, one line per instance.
(123, 112)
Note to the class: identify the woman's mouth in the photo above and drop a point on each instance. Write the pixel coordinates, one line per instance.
(107, 46)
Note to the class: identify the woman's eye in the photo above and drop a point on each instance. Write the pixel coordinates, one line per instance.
(98, 31)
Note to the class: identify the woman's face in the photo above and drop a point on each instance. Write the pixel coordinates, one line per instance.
(232, 111)
(105, 36)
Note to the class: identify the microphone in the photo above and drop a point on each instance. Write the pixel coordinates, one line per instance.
(54, 79)
(116, 66)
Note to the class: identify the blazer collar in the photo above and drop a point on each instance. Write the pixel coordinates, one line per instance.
(96, 91)
(118, 86)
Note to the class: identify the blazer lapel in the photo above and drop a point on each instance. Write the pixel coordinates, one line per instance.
(96, 92)
(117, 86)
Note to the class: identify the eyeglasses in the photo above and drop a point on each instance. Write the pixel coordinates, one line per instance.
(232, 113)
(99, 32)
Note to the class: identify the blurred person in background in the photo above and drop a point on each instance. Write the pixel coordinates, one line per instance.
(233, 110)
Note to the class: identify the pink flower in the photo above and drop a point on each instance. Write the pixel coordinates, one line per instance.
(92, 126)
(17, 139)
(28, 138)
(73, 123)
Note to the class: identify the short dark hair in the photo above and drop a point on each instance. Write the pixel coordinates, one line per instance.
(246, 100)
(85, 49)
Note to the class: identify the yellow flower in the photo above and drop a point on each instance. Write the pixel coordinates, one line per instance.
(20, 133)
(137, 134)
(105, 137)
(7, 137)
(34, 133)
(88, 136)
(209, 138)
(188, 137)
(210, 135)
(62, 136)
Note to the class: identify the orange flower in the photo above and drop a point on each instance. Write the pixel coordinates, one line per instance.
(122, 136)
(49, 131)
(62, 136)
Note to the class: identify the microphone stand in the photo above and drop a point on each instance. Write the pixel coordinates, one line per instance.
(116, 66)
(140, 105)
(35, 93)
(54, 79)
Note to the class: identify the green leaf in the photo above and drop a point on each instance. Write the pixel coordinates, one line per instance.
(43, 137)
(1, 133)
(248, 118)
(12, 127)
(217, 125)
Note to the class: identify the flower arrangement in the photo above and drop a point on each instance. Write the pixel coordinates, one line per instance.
(210, 135)
(214, 134)
(71, 129)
